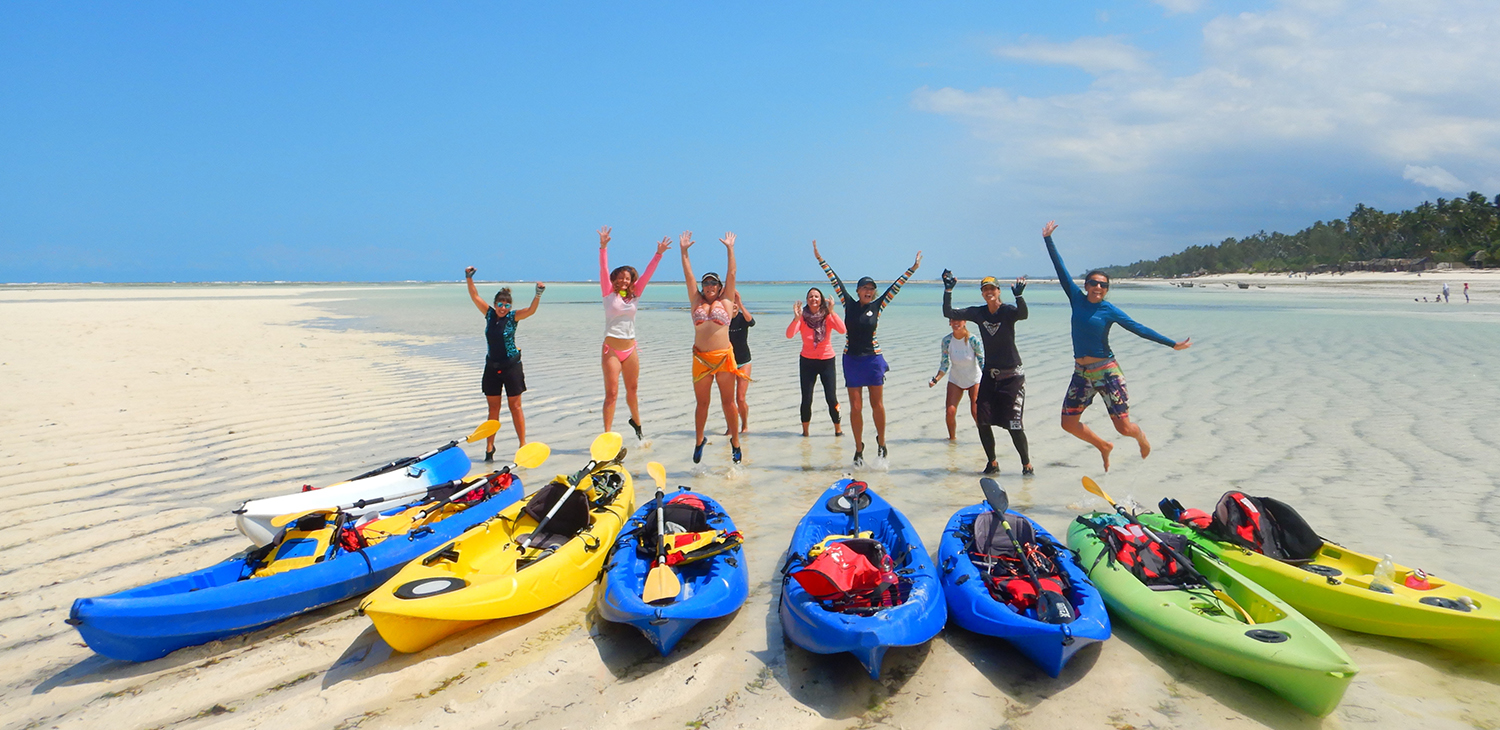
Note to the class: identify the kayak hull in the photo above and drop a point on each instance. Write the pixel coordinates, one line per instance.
(400, 486)
(971, 606)
(154, 620)
(490, 575)
(809, 625)
(1300, 663)
(1339, 595)
(711, 588)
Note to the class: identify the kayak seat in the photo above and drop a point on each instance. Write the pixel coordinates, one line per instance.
(992, 550)
(570, 519)
(1265, 525)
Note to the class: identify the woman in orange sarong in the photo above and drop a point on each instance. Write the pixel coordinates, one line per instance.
(713, 356)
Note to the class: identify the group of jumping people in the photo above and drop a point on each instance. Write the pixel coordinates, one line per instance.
(987, 368)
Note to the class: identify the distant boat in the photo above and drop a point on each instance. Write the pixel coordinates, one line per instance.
(1260, 286)
(1243, 285)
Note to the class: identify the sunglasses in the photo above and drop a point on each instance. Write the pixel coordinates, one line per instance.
(1096, 282)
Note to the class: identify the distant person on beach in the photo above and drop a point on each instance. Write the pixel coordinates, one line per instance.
(1466, 292)
(817, 324)
(1002, 385)
(864, 367)
(1095, 369)
(963, 355)
(620, 289)
(1445, 292)
(503, 376)
(713, 357)
(739, 339)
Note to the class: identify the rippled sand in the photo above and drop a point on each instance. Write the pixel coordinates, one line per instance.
(135, 418)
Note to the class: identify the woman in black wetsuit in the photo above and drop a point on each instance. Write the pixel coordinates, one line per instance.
(863, 365)
(739, 339)
(503, 376)
(1002, 385)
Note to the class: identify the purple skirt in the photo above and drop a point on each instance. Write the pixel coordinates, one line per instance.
(863, 371)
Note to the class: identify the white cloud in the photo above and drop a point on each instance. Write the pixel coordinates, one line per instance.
(1308, 100)
(1180, 6)
(1435, 177)
(1097, 56)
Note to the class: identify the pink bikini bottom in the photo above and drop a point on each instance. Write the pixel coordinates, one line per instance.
(621, 355)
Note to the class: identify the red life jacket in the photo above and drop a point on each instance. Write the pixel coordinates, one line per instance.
(845, 575)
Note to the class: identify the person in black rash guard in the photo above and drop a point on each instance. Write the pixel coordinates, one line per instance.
(503, 376)
(739, 339)
(864, 367)
(1002, 385)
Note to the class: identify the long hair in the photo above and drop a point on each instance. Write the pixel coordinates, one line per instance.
(629, 288)
(822, 300)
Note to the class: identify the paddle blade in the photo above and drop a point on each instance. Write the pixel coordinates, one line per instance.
(661, 585)
(606, 446)
(852, 490)
(998, 499)
(659, 473)
(1096, 490)
(532, 455)
(1053, 608)
(485, 430)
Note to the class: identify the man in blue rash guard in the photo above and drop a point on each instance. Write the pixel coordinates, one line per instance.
(1095, 369)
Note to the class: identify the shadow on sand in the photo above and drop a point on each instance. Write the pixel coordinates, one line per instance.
(370, 656)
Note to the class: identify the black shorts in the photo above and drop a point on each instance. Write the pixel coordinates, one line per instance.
(1002, 401)
(504, 379)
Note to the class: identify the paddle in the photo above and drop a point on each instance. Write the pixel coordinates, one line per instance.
(662, 583)
(851, 495)
(1051, 606)
(484, 431)
(1098, 491)
(606, 448)
(530, 456)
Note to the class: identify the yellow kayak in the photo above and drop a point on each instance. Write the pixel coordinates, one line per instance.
(489, 572)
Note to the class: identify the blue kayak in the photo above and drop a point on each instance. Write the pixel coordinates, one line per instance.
(713, 585)
(974, 608)
(245, 593)
(919, 613)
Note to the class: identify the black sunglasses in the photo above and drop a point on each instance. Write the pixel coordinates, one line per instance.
(1096, 282)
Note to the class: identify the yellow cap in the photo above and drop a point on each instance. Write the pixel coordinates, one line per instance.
(989, 281)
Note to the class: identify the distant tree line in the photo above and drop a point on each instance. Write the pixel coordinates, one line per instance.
(1462, 230)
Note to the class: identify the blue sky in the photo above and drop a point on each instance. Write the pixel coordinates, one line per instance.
(369, 141)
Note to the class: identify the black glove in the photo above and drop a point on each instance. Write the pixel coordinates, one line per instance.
(1017, 288)
(949, 280)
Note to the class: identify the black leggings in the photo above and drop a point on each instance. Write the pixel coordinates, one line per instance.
(1017, 437)
(811, 371)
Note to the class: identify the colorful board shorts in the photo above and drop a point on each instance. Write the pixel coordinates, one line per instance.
(1002, 399)
(504, 378)
(1104, 377)
(864, 371)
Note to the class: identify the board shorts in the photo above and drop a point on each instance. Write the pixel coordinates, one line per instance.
(864, 371)
(1104, 377)
(504, 379)
(1002, 398)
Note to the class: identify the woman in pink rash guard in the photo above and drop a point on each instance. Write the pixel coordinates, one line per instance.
(817, 323)
(621, 288)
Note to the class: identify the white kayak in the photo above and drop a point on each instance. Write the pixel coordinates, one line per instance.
(401, 481)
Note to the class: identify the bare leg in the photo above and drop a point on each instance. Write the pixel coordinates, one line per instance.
(974, 403)
(857, 417)
(741, 388)
(877, 411)
(950, 410)
(1126, 428)
(517, 418)
(493, 401)
(701, 391)
(1075, 426)
(727, 403)
(611, 366)
(631, 369)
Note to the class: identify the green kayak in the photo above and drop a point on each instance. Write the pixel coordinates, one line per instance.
(1277, 647)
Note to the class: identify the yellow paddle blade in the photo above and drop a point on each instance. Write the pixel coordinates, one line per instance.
(661, 585)
(485, 430)
(1096, 490)
(532, 455)
(657, 472)
(606, 447)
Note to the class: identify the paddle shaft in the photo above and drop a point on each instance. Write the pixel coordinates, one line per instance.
(661, 528)
(587, 470)
(1185, 561)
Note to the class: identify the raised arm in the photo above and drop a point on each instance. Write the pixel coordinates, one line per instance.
(794, 328)
(605, 285)
(730, 293)
(661, 248)
(1020, 286)
(749, 318)
(535, 302)
(685, 242)
(836, 323)
(1064, 279)
(895, 287)
(949, 311)
(484, 307)
(1140, 330)
(838, 286)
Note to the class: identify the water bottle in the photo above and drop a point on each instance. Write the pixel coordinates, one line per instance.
(1384, 576)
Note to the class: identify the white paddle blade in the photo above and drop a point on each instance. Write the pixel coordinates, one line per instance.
(532, 455)
(606, 447)
(659, 473)
(485, 430)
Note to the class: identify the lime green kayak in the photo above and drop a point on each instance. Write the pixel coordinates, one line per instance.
(1281, 650)
(1334, 588)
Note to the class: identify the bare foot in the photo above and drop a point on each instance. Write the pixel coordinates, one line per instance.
(804, 430)
(951, 437)
(1104, 451)
(1145, 445)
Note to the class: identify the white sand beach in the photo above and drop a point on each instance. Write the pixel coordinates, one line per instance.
(135, 418)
